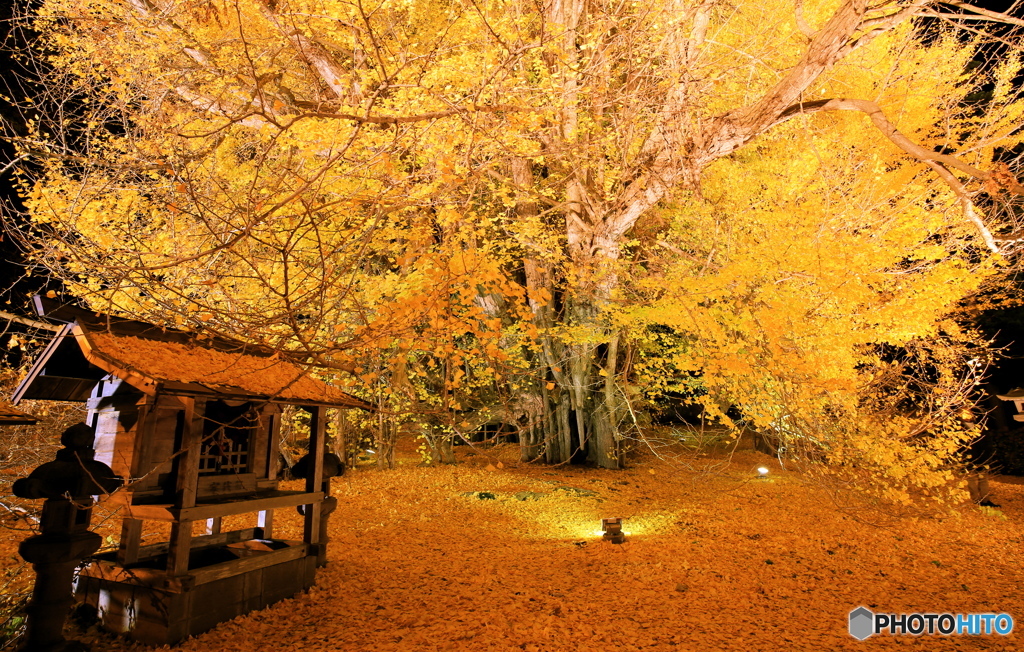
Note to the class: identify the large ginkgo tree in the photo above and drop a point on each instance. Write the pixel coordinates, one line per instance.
(529, 209)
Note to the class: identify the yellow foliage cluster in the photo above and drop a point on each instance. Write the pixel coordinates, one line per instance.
(803, 295)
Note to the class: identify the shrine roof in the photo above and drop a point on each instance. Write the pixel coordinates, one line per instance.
(153, 359)
(11, 416)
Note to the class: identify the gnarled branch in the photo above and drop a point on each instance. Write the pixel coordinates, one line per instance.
(941, 163)
(880, 121)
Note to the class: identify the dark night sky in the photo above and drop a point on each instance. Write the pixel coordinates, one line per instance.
(13, 287)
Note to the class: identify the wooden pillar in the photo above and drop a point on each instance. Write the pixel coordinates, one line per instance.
(187, 481)
(259, 439)
(145, 435)
(131, 538)
(270, 423)
(273, 424)
(315, 477)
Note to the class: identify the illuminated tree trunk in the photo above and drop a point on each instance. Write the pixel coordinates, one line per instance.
(387, 438)
(578, 418)
(582, 405)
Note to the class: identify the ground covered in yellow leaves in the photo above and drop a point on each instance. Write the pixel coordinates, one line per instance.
(494, 556)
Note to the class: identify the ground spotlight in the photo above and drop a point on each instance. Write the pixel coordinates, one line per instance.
(612, 528)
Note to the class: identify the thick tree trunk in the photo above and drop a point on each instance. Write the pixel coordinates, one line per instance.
(531, 434)
(583, 411)
(531, 443)
(581, 403)
(607, 449)
(387, 437)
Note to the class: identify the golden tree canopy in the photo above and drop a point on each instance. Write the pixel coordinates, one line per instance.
(439, 194)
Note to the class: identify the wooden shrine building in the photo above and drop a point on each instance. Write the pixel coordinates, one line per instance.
(192, 426)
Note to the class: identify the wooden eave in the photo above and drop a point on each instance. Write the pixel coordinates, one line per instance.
(199, 390)
(12, 417)
(83, 323)
(152, 385)
(38, 385)
(44, 387)
(41, 386)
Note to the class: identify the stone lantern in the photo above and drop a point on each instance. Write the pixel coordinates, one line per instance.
(68, 483)
(1017, 397)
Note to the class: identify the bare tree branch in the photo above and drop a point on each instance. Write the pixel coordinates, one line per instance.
(318, 58)
(421, 117)
(29, 322)
(994, 16)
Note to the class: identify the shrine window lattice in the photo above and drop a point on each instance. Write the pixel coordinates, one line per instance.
(227, 438)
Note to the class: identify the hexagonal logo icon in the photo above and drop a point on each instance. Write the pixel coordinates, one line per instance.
(862, 623)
